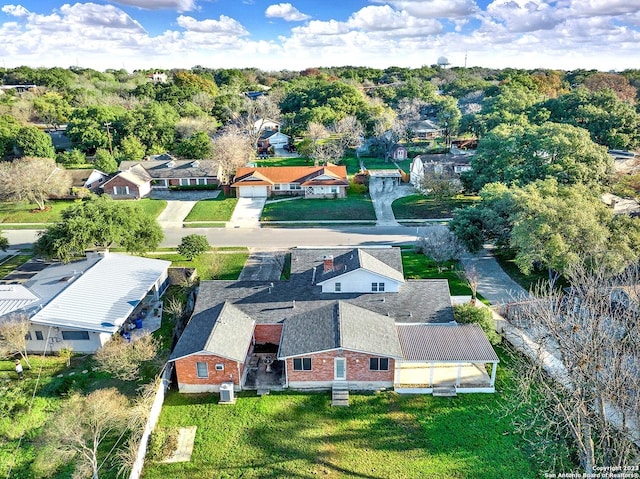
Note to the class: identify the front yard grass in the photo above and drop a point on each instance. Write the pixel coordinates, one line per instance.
(214, 265)
(213, 209)
(353, 207)
(423, 207)
(23, 212)
(419, 266)
(380, 435)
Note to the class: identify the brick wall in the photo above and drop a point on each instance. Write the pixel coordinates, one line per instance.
(267, 333)
(121, 182)
(322, 368)
(188, 380)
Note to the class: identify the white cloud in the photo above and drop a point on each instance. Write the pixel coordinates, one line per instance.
(226, 25)
(15, 10)
(179, 5)
(525, 15)
(91, 14)
(603, 7)
(434, 8)
(285, 11)
(385, 18)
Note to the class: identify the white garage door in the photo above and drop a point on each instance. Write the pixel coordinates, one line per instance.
(253, 191)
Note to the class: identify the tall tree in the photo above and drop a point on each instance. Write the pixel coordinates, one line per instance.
(196, 146)
(53, 108)
(9, 128)
(100, 222)
(33, 180)
(104, 161)
(232, 149)
(31, 141)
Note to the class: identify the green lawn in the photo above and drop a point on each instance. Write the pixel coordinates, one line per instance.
(214, 209)
(382, 435)
(23, 212)
(527, 281)
(12, 263)
(422, 207)
(371, 163)
(419, 266)
(353, 207)
(285, 161)
(225, 265)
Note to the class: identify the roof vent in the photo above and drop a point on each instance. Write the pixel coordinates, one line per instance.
(294, 304)
(195, 164)
(170, 164)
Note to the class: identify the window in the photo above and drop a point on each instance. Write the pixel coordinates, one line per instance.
(302, 364)
(295, 186)
(380, 286)
(184, 181)
(377, 287)
(28, 336)
(379, 364)
(338, 287)
(219, 367)
(75, 335)
(276, 187)
(334, 189)
(39, 336)
(202, 370)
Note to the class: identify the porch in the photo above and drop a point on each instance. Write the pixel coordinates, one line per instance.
(423, 378)
(145, 318)
(264, 372)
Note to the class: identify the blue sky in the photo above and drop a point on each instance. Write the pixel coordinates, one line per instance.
(563, 34)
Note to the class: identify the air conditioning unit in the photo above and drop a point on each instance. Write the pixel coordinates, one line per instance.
(226, 393)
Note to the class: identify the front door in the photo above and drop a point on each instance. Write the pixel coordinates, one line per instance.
(340, 369)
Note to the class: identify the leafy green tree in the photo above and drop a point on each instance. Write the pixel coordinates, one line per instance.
(53, 108)
(193, 245)
(197, 146)
(104, 161)
(100, 222)
(73, 157)
(87, 128)
(471, 314)
(9, 128)
(130, 149)
(31, 141)
(154, 125)
(194, 83)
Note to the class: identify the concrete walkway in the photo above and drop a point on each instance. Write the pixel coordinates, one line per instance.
(493, 283)
(383, 192)
(247, 213)
(175, 213)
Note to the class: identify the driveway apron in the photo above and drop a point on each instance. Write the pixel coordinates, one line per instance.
(383, 192)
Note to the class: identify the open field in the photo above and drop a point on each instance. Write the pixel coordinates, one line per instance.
(353, 207)
(381, 435)
(214, 209)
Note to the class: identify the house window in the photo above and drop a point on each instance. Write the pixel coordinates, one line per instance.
(201, 181)
(28, 336)
(184, 181)
(219, 367)
(276, 187)
(302, 364)
(202, 370)
(295, 186)
(120, 190)
(338, 287)
(75, 335)
(380, 286)
(379, 364)
(377, 287)
(39, 336)
(334, 189)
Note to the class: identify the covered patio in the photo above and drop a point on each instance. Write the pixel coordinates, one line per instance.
(453, 356)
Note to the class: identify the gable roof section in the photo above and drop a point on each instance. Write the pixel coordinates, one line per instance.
(445, 343)
(336, 174)
(79, 177)
(104, 295)
(172, 168)
(252, 178)
(135, 175)
(358, 259)
(223, 330)
(339, 325)
(14, 297)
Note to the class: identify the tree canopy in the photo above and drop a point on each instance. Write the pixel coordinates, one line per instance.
(100, 222)
(33, 180)
(31, 141)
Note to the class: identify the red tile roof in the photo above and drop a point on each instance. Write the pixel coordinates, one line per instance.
(305, 175)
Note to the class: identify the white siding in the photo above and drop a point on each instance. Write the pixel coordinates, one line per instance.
(358, 281)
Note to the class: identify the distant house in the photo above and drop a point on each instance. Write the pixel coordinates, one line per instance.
(132, 183)
(425, 129)
(158, 77)
(621, 206)
(448, 165)
(272, 138)
(165, 171)
(399, 153)
(309, 181)
(69, 305)
(83, 182)
(266, 124)
(345, 319)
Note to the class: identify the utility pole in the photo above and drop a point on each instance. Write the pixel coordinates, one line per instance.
(108, 124)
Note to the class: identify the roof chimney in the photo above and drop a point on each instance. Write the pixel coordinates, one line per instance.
(327, 262)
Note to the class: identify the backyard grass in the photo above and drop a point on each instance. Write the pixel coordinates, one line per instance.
(419, 266)
(213, 209)
(372, 163)
(23, 212)
(527, 281)
(225, 265)
(285, 161)
(423, 207)
(353, 207)
(380, 435)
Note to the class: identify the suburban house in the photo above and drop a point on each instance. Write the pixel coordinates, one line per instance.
(345, 319)
(82, 182)
(165, 171)
(399, 153)
(133, 183)
(309, 181)
(448, 165)
(270, 138)
(68, 305)
(425, 129)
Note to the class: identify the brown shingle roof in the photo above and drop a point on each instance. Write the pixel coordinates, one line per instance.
(445, 343)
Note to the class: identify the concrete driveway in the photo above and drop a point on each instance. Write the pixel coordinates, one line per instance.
(263, 265)
(175, 213)
(247, 213)
(383, 193)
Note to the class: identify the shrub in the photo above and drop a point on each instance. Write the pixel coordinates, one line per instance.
(469, 313)
(162, 444)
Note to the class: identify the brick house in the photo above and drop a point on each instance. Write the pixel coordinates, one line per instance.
(309, 181)
(166, 171)
(134, 183)
(309, 333)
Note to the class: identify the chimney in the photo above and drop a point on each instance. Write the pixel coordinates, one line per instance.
(327, 262)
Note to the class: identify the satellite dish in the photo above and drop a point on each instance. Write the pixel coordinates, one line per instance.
(443, 61)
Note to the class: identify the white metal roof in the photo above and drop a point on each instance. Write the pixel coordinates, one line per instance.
(104, 295)
(14, 297)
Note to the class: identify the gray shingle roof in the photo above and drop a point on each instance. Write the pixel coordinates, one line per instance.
(357, 259)
(339, 325)
(222, 329)
(162, 169)
(445, 343)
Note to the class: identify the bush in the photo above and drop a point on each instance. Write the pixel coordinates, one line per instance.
(193, 187)
(469, 313)
(357, 188)
(162, 444)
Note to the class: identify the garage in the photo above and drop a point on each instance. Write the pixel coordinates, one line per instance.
(253, 191)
